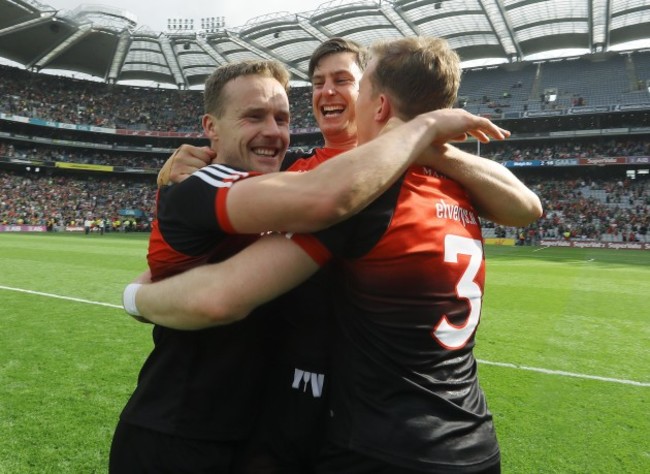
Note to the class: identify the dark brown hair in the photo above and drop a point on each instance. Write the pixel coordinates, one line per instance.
(338, 45)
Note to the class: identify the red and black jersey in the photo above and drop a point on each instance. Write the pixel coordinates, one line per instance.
(410, 286)
(306, 310)
(293, 423)
(191, 225)
(308, 160)
(200, 384)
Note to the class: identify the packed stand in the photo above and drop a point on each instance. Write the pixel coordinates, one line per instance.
(603, 210)
(520, 151)
(33, 151)
(54, 201)
(300, 106)
(606, 210)
(68, 100)
(501, 152)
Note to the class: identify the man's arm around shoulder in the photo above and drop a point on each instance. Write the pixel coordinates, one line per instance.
(225, 292)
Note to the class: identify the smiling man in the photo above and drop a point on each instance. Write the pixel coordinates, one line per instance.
(405, 293)
(335, 69)
(199, 393)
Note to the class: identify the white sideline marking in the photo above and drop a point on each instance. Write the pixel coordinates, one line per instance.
(480, 361)
(69, 298)
(566, 374)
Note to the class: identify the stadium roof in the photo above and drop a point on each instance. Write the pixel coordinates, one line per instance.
(107, 43)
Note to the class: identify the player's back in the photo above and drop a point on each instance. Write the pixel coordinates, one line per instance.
(409, 302)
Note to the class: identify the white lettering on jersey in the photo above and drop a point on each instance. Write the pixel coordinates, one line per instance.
(431, 172)
(306, 379)
(456, 213)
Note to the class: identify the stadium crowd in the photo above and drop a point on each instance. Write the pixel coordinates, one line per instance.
(34, 151)
(600, 209)
(37, 199)
(585, 148)
(68, 100)
(501, 152)
(75, 101)
(605, 210)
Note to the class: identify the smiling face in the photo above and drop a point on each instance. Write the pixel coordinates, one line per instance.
(335, 83)
(252, 132)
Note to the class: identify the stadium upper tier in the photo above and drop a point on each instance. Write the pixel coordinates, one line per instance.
(67, 100)
(109, 44)
(573, 86)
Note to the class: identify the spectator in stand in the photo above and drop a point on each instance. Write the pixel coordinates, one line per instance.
(36, 198)
(59, 99)
(615, 208)
(145, 161)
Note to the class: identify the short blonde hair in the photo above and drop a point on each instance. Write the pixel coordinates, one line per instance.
(213, 100)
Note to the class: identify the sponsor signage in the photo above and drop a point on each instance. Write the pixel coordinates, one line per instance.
(83, 166)
(22, 228)
(590, 244)
(125, 169)
(14, 118)
(523, 164)
(131, 212)
(604, 160)
(500, 241)
(633, 106)
(615, 131)
(25, 162)
(567, 162)
(50, 123)
(562, 133)
(155, 133)
(638, 160)
(588, 110)
(544, 113)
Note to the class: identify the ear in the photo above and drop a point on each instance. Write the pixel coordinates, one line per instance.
(384, 109)
(210, 126)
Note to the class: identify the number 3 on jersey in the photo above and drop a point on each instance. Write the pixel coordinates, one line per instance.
(447, 334)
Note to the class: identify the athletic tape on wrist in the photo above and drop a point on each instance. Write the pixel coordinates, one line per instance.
(128, 299)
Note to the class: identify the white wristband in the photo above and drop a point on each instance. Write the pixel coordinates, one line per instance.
(128, 299)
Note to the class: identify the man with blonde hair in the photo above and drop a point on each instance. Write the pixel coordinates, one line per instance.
(405, 396)
(198, 392)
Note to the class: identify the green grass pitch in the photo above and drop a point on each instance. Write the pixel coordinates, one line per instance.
(563, 345)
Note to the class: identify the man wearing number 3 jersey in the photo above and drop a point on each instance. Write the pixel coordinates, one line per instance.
(410, 273)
